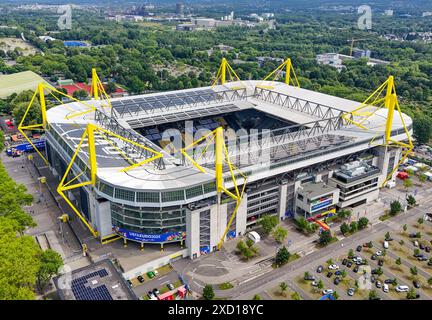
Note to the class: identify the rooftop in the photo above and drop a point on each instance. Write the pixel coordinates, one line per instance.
(98, 281)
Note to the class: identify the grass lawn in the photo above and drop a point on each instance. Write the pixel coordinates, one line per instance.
(225, 286)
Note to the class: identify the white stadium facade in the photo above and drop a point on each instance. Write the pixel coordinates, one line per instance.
(299, 153)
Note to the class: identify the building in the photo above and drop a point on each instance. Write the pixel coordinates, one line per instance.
(186, 27)
(336, 60)
(180, 9)
(298, 153)
(98, 281)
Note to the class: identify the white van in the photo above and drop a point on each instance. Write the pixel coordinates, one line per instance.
(386, 245)
(254, 236)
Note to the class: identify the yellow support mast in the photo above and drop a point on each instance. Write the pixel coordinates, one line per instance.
(370, 106)
(89, 135)
(94, 84)
(221, 158)
(225, 71)
(290, 75)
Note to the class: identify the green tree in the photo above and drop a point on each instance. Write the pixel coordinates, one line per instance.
(387, 236)
(208, 292)
(283, 287)
(344, 228)
(268, 222)
(282, 256)
(395, 207)
(295, 296)
(408, 183)
(411, 294)
(80, 94)
(325, 237)
(373, 295)
(19, 262)
(280, 234)
(353, 226)
(405, 227)
(110, 87)
(363, 222)
(420, 220)
(336, 295)
(423, 178)
(430, 281)
(320, 284)
(414, 271)
(51, 261)
(350, 253)
(257, 297)
(398, 261)
(422, 129)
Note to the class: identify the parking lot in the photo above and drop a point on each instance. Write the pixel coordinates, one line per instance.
(370, 270)
(165, 275)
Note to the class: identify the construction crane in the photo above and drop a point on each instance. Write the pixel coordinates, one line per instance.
(352, 44)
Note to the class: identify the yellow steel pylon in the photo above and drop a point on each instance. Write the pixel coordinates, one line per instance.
(89, 135)
(383, 97)
(290, 75)
(41, 91)
(221, 157)
(97, 88)
(224, 70)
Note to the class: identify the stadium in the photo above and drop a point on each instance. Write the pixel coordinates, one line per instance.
(200, 166)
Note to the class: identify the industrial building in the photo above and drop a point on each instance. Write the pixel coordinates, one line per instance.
(200, 166)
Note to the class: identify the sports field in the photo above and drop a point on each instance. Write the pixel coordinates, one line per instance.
(18, 82)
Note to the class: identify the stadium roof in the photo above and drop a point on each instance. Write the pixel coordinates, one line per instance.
(18, 82)
(317, 134)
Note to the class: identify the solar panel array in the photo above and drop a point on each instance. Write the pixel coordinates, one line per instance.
(136, 105)
(83, 292)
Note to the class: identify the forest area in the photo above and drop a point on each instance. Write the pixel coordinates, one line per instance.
(142, 58)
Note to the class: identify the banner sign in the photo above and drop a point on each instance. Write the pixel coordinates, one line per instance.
(144, 237)
(26, 147)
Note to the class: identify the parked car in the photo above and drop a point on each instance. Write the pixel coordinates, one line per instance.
(129, 283)
(421, 246)
(327, 291)
(344, 262)
(378, 253)
(309, 277)
(140, 279)
(151, 295)
(320, 269)
(329, 274)
(359, 248)
(427, 249)
(338, 272)
(385, 287)
(356, 269)
(389, 281)
(336, 280)
(422, 258)
(378, 284)
(333, 267)
(350, 292)
(415, 243)
(416, 284)
(349, 264)
(170, 286)
(156, 273)
(402, 288)
(380, 262)
(155, 291)
(314, 283)
(374, 257)
(151, 274)
(386, 245)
